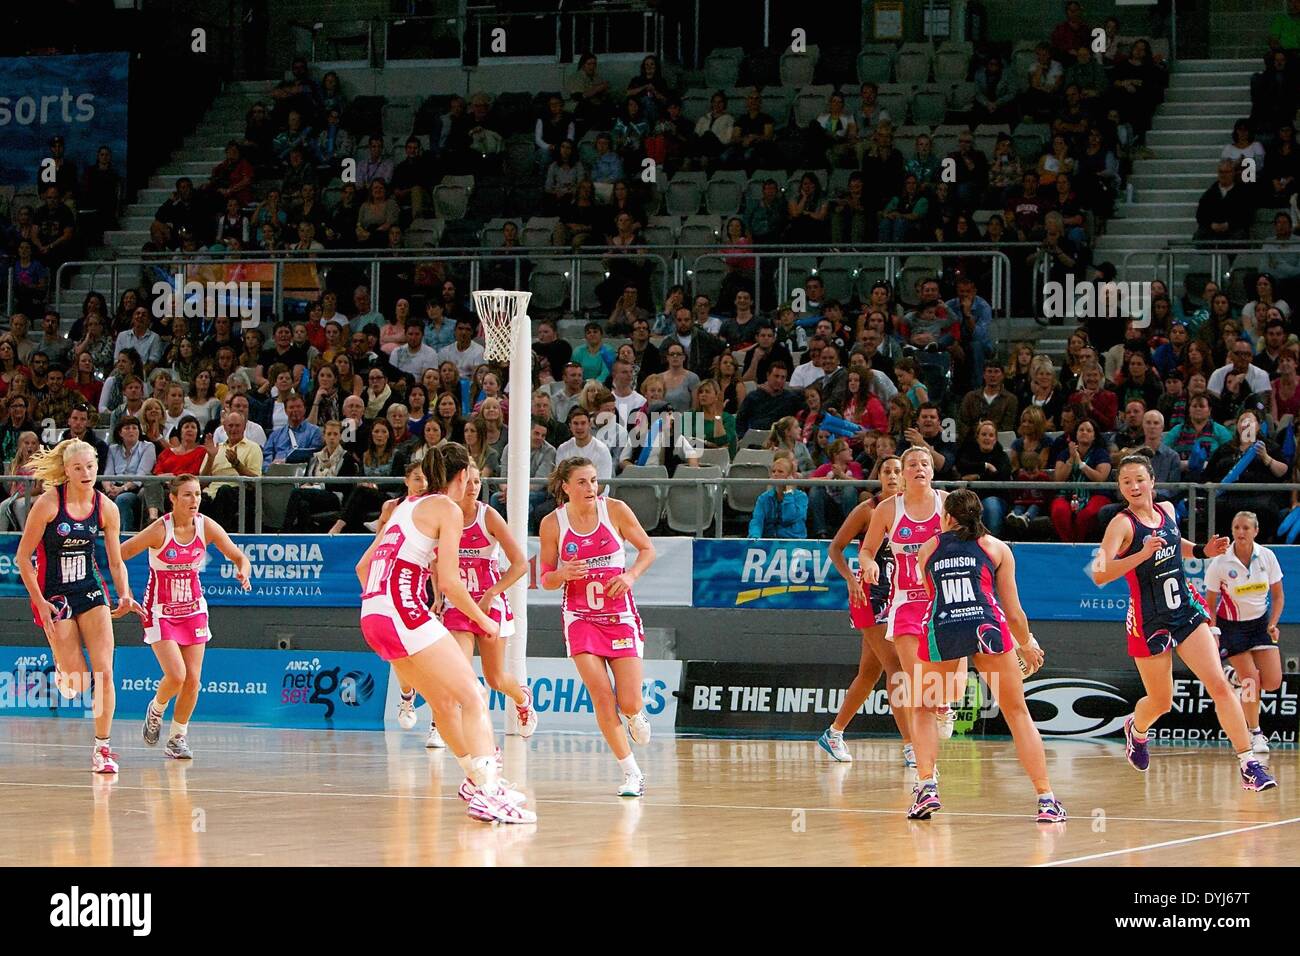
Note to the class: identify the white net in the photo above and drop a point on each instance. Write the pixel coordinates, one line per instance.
(500, 311)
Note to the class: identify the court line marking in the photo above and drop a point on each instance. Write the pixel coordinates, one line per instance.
(600, 803)
(1167, 843)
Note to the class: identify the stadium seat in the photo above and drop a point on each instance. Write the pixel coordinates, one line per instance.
(691, 507)
(811, 102)
(591, 273)
(799, 268)
(895, 98)
(952, 62)
(838, 185)
(916, 268)
(491, 237)
(537, 231)
(428, 232)
(777, 101)
(905, 139)
(982, 217)
(695, 103)
(549, 283)
(399, 120)
(837, 278)
(961, 97)
(521, 160)
(754, 440)
(867, 274)
(1031, 139)
(986, 137)
(275, 497)
(685, 193)
(945, 138)
(912, 64)
(722, 66)
(719, 458)
(646, 501)
(929, 105)
(661, 230)
(725, 192)
(748, 463)
(876, 63)
(706, 277)
(450, 201)
(797, 69)
(700, 231)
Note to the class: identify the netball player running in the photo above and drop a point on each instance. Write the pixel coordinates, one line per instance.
(908, 521)
(69, 598)
(970, 577)
(1147, 550)
(174, 611)
(869, 613)
(1245, 598)
(400, 627)
(582, 552)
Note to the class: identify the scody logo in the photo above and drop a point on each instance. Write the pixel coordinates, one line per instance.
(783, 571)
(1064, 695)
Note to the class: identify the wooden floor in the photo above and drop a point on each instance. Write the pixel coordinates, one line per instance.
(256, 797)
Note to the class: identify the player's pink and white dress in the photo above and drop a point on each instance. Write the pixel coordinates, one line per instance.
(909, 599)
(594, 622)
(395, 617)
(173, 604)
(480, 569)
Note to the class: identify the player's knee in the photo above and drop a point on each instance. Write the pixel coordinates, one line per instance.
(190, 682)
(1271, 682)
(1162, 701)
(495, 677)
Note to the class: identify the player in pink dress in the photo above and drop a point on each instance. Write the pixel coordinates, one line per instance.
(399, 625)
(486, 535)
(174, 611)
(868, 612)
(908, 520)
(582, 552)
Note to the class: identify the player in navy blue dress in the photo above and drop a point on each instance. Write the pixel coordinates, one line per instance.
(1143, 545)
(68, 594)
(971, 576)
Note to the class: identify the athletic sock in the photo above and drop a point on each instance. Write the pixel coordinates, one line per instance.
(833, 732)
(1246, 756)
(929, 782)
(179, 729)
(1047, 796)
(102, 742)
(629, 765)
(158, 706)
(463, 760)
(483, 771)
(1139, 735)
(1256, 730)
(410, 696)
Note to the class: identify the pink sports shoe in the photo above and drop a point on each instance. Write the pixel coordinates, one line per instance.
(495, 807)
(103, 760)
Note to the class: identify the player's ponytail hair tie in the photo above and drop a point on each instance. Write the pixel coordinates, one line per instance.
(443, 463)
(967, 511)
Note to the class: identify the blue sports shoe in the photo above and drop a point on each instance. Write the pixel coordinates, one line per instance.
(1050, 811)
(833, 744)
(1136, 750)
(1254, 776)
(927, 802)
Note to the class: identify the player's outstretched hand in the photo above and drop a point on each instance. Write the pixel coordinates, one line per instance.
(1216, 546)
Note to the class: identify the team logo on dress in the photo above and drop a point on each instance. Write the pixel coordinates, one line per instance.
(905, 532)
(989, 637)
(64, 529)
(1159, 642)
(171, 553)
(1232, 573)
(571, 548)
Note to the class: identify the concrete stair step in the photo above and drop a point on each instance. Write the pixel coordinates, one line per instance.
(1165, 228)
(1203, 167)
(1209, 94)
(1154, 178)
(1244, 65)
(1210, 128)
(1188, 196)
(1184, 150)
(1212, 111)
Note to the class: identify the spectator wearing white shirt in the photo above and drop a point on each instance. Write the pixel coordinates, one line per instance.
(376, 165)
(1244, 146)
(464, 353)
(1240, 359)
(584, 444)
(252, 430)
(414, 357)
(810, 372)
(714, 131)
(841, 131)
(626, 398)
(141, 338)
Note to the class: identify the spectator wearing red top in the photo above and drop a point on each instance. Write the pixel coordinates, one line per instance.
(232, 178)
(862, 407)
(1103, 404)
(1083, 459)
(1029, 207)
(835, 500)
(1070, 34)
(185, 457)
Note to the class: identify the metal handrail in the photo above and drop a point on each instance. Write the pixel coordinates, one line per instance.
(721, 485)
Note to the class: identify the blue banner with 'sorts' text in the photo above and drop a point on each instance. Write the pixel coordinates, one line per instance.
(82, 98)
(326, 690)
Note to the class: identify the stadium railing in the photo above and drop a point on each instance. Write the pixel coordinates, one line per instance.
(717, 488)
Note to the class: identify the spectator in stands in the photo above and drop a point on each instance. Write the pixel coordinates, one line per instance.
(1130, 434)
(334, 143)
(1265, 293)
(781, 511)
(1070, 34)
(715, 132)
(903, 215)
(596, 358)
(928, 433)
(552, 128)
(1042, 85)
(259, 136)
(981, 458)
(57, 400)
(555, 350)
(608, 166)
(924, 165)
(1245, 147)
(1029, 503)
(807, 213)
(299, 93)
(990, 403)
(1284, 397)
(232, 178)
(1102, 403)
(869, 114)
(1137, 88)
(850, 218)
(381, 459)
(727, 375)
(1265, 467)
(1083, 459)
(882, 167)
(1086, 74)
(308, 501)
(541, 461)
(972, 170)
(590, 94)
(17, 420)
(770, 401)
(140, 338)
(764, 349)
(578, 217)
(563, 175)
(54, 239)
(670, 137)
(717, 426)
(414, 357)
(568, 393)
(680, 383)
(1274, 341)
(995, 94)
(584, 444)
(128, 455)
(24, 346)
(376, 165)
(297, 174)
(755, 141)
(295, 439)
(650, 88)
(765, 215)
(828, 506)
(626, 311)
(1196, 438)
(101, 193)
(31, 279)
(1164, 462)
(835, 133)
(1240, 373)
(377, 216)
(630, 133)
(702, 348)
(1273, 95)
(297, 133)
(20, 494)
(341, 229)
(1140, 381)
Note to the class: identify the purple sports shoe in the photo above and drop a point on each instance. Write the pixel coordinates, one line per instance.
(1134, 749)
(1254, 776)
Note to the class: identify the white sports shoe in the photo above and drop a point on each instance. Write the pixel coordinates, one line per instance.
(468, 789)
(103, 760)
(633, 784)
(638, 727)
(833, 744)
(527, 715)
(1259, 744)
(406, 713)
(434, 741)
(496, 808)
(947, 720)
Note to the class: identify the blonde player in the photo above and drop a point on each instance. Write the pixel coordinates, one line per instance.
(68, 595)
(174, 611)
(582, 552)
(1244, 594)
(399, 625)
(869, 613)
